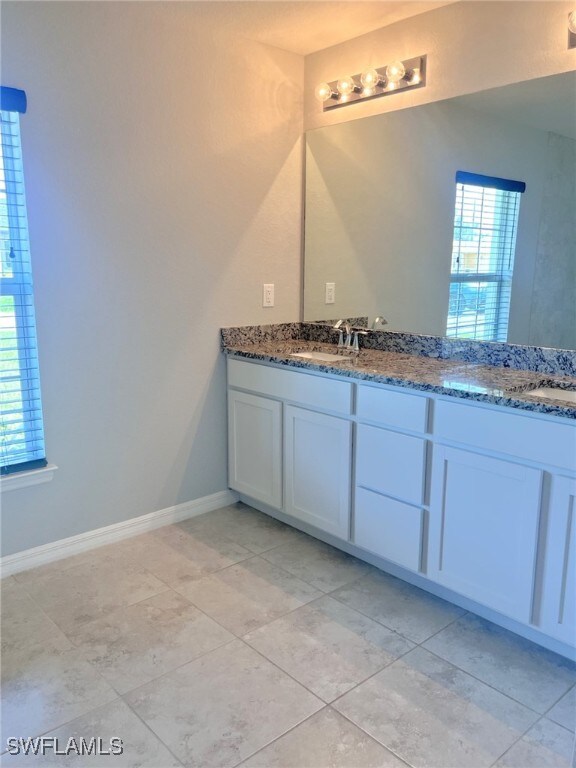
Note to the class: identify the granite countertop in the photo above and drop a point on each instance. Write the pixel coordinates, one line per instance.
(485, 383)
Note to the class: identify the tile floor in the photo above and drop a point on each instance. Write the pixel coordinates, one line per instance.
(231, 639)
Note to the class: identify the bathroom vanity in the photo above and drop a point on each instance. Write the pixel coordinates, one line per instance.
(422, 467)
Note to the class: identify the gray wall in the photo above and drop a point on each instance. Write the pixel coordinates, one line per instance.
(158, 206)
(553, 316)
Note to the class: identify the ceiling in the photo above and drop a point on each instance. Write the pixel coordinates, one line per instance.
(306, 26)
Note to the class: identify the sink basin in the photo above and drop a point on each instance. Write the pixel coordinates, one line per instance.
(567, 395)
(321, 357)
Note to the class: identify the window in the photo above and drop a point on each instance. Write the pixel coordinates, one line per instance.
(485, 224)
(21, 428)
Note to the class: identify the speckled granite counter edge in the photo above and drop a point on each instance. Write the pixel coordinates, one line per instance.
(555, 362)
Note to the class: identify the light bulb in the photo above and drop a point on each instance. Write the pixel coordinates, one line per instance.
(395, 71)
(572, 22)
(371, 78)
(323, 92)
(415, 78)
(346, 85)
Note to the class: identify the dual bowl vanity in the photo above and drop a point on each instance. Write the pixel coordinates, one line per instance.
(456, 476)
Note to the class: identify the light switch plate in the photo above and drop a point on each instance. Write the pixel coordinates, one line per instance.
(268, 295)
(330, 296)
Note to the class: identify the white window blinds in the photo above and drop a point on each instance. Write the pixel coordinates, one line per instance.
(485, 225)
(21, 428)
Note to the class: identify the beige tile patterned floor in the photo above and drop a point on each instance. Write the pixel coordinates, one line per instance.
(232, 640)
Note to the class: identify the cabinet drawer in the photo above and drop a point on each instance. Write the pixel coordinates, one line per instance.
(388, 528)
(318, 392)
(523, 437)
(390, 463)
(396, 409)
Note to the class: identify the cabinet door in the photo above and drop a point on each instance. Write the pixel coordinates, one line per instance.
(484, 520)
(559, 588)
(317, 469)
(255, 447)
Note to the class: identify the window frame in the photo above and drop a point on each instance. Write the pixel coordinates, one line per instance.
(22, 346)
(495, 329)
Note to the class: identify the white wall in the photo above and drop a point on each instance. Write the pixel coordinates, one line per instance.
(163, 166)
(471, 46)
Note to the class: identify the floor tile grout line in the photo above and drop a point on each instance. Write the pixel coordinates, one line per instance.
(331, 703)
(281, 736)
(175, 669)
(317, 599)
(366, 680)
(489, 685)
(39, 607)
(551, 707)
(392, 751)
(520, 738)
(483, 682)
(230, 642)
(156, 736)
(378, 621)
(74, 647)
(314, 714)
(284, 672)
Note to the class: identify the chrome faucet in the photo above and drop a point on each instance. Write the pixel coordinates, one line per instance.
(350, 344)
(344, 344)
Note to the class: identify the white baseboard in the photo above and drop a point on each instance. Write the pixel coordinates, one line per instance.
(74, 545)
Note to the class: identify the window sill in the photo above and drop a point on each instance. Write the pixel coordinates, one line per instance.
(25, 479)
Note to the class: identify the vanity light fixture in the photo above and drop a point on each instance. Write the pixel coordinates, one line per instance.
(397, 76)
(572, 29)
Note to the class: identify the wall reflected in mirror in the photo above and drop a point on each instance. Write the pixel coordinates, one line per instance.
(380, 210)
